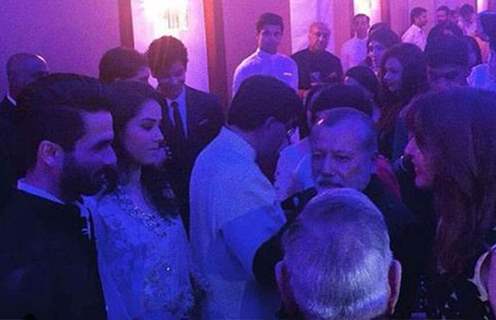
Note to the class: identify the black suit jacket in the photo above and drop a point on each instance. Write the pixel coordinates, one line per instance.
(7, 110)
(48, 267)
(204, 120)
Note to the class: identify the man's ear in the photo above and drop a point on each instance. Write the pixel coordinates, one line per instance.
(394, 278)
(51, 154)
(282, 278)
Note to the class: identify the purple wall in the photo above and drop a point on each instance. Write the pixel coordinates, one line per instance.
(71, 34)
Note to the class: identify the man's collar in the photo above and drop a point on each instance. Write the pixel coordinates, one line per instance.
(12, 100)
(28, 188)
(180, 97)
(264, 54)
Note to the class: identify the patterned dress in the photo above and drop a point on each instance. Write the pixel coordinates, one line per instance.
(462, 297)
(144, 261)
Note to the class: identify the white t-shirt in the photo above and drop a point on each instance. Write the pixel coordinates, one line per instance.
(262, 63)
(415, 35)
(353, 52)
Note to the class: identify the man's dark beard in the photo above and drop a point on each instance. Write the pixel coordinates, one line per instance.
(78, 180)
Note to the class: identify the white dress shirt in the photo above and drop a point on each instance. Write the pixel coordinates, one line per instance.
(233, 211)
(353, 52)
(260, 62)
(415, 35)
(181, 103)
(12, 100)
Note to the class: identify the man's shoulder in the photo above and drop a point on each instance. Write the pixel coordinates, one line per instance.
(198, 94)
(247, 62)
(299, 55)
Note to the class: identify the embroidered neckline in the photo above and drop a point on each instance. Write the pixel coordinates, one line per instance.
(150, 218)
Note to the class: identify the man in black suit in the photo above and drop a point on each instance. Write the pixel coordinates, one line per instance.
(192, 118)
(48, 266)
(22, 69)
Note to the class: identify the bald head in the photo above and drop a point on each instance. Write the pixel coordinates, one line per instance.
(318, 36)
(23, 69)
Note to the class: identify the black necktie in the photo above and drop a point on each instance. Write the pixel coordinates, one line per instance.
(178, 123)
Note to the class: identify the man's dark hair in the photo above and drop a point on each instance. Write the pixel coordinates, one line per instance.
(445, 9)
(269, 18)
(444, 29)
(120, 63)
(165, 51)
(466, 10)
(52, 110)
(416, 12)
(361, 15)
(338, 96)
(384, 36)
(260, 98)
(447, 51)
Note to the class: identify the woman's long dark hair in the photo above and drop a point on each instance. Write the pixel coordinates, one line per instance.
(413, 82)
(127, 99)
(456, 129)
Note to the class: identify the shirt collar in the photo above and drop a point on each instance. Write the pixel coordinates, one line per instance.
(264, 54)
(12, 100)
(238, 144)
(181, 98)
(26, 187)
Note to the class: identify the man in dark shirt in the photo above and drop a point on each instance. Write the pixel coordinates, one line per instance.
(343, 154)
(315, 64)
(48, 257)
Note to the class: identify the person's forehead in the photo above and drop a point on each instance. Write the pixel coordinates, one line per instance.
(319, 28)
(347, 135)
(97, 124)
(271, 27)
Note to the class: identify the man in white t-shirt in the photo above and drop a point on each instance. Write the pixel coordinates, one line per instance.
(266, 60)
(416, 33)
(354, 51)
(233, 204)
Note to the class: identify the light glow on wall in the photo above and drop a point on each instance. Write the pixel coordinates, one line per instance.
(166, 16)
(371, 8)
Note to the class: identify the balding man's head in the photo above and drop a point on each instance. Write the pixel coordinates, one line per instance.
(23, 69)
(318, 36)
(344, 149)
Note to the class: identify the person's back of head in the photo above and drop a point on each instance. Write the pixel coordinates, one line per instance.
(448, 59)
(446, 28)
(23, 69)
(260, 98)
(123, 63)
(365, 78)
(337, 260)
(336, 96)
(384, 36)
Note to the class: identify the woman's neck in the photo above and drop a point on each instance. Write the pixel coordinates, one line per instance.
(130, 177)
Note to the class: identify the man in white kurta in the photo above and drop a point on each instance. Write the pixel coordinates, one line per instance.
(266, 60)
(233, 205)
(415, 33)
(354, 51)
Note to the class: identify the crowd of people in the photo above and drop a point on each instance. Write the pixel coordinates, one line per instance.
(353, 187)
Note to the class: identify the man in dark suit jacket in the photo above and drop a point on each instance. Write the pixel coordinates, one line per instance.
(191, 118)
(48, 257)
(22, 69)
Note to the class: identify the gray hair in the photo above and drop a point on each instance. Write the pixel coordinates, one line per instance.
(338, 257)
(337, 115)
